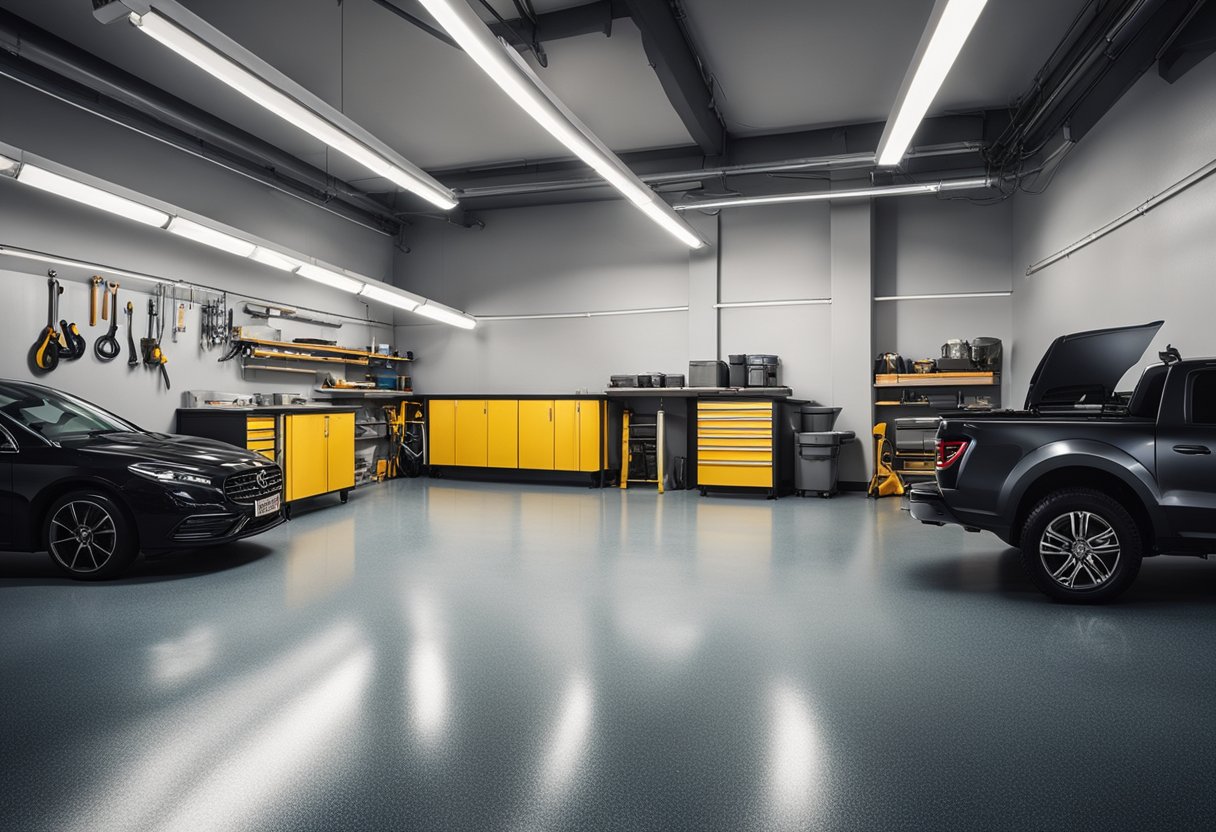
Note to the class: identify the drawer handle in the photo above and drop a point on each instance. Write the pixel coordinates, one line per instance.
(766, 435)
(762, 449)
(743, 463)
(734, 418)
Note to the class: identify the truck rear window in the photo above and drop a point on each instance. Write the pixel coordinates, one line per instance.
(1203, 398)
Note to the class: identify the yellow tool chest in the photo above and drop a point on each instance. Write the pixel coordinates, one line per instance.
(739, 444)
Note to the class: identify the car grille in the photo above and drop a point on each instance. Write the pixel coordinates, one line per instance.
(251, 486)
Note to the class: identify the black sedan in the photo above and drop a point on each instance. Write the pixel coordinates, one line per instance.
(94, 490)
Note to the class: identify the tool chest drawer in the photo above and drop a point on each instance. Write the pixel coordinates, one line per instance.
(735, 444)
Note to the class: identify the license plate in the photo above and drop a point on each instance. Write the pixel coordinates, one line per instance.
(268, 505)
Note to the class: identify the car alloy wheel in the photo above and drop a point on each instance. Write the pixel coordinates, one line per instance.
(1079, 550)
(83, 536)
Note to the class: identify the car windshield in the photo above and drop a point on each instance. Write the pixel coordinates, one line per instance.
(55, 415)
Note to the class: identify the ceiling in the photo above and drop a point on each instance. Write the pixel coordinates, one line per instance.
(779, 66)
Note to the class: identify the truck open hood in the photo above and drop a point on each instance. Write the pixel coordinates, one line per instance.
(1088, 365)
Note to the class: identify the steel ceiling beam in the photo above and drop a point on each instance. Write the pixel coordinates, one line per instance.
(587, 19)
(1196, 42)
(679, 72)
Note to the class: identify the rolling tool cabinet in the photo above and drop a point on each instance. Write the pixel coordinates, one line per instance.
(744, 444)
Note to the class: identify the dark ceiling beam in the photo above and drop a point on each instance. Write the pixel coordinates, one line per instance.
(1195, 42)
(679, 72)
(588, 19)
(1137, 57)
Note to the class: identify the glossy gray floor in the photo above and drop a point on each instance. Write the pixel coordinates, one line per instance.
(472, 656)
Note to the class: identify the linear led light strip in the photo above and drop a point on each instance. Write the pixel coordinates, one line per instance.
(947, 296)
(113, 203)
(513, 75)
(950, 23)
(545, 316)
(827, 196)
(748, 304)
(210, 50)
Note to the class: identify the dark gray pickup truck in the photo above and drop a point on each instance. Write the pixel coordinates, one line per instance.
(1086, 481)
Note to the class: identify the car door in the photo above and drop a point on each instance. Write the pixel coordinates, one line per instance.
(8, 450)
(1186, 453)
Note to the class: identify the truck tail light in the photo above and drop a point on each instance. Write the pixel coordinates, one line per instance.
(949, 451)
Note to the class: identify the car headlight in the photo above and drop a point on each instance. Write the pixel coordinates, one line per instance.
(168, 474)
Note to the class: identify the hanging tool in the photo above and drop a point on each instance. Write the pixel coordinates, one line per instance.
(46, 349)
(76, 344)
(109, 300)
(94, 284)
(150, 346)
(106, 348)
(133, 359)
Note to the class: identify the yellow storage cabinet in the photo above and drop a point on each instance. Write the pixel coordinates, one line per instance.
(441, 424)
(319, 454)
(577, 435)
(536, 434)
(503, 433)
(472, 432)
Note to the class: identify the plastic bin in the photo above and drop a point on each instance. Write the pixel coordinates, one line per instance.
(817, 465)
(818, 419)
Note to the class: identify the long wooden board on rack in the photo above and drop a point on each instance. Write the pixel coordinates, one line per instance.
(934, 379)
(291, 345)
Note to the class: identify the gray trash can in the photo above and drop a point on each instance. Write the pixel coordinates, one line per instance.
(816, 418)
(818, 462)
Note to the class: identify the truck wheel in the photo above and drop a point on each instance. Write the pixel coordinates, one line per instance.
(1081, 546)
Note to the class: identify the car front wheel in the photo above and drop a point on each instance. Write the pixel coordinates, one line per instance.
(89, 537)
(1081, 546)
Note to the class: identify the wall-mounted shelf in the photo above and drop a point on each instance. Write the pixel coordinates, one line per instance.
(363, 393)
(936, 380)
(360, 356)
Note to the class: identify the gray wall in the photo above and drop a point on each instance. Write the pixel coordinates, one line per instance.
(928, 246)
(35, 220)
(1159, 266)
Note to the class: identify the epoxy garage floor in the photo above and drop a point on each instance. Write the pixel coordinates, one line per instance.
(440, 655)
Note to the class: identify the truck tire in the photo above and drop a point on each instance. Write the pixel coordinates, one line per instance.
(1081, 546)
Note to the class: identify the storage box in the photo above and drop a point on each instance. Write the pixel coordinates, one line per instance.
(707, 374)
(623, 381)
(673, 380)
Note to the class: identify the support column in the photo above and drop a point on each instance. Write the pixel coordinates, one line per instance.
(703, 330)
(852, 332)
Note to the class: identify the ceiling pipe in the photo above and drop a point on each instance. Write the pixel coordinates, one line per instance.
(839, 161)
(49, 65)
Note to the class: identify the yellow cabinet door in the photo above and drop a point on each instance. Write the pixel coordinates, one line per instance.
(503, 451)
(536, 434)
(589, 435)
(306, 459)
(441, 424)
(341, 451)
(565, 435)
(471, 432)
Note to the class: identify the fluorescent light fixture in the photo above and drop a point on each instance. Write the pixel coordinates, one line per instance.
(67, 262)
(947, 296)
(37, 177)
(269, 92)
(544, 316)
(949, 25)
(330, 278)
(514, 77)
(748, 304)
(270, 257)
(443, 314)
(8, 167)
(387, 294)
(210, 237)
(826, 196)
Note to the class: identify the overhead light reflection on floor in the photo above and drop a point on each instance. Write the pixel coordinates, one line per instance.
(255, 777)
(176, 660)
(795, 772)
(427, 674)
(566, 747)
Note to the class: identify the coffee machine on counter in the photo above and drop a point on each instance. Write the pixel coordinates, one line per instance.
(762, 370)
